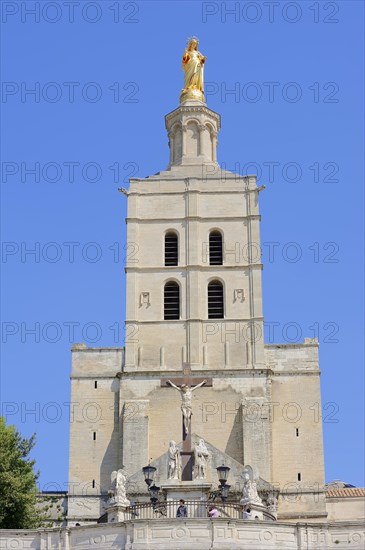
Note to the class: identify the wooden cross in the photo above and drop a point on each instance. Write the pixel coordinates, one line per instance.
(191, 383)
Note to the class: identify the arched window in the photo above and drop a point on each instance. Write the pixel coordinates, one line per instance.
(171, 301)
(215, 300)
(171, 249)
(215, 248)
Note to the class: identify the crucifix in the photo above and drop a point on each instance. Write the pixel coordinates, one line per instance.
(184, 385)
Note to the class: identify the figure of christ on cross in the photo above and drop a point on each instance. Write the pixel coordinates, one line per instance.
(186, 393)
(184, 385)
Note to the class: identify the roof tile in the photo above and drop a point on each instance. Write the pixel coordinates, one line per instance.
(346, 492)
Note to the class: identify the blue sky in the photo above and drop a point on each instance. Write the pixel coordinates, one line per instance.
(104, 74)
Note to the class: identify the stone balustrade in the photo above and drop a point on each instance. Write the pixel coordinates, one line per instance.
(190, 534)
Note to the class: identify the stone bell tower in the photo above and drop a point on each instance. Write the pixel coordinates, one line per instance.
(211, 216)
(194, 316)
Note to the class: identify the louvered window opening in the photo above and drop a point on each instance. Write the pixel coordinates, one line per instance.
(171, 301)
(215, 300)
(215, 248)
(171, 249)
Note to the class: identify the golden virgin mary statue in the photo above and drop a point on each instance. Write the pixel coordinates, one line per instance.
(193, 67)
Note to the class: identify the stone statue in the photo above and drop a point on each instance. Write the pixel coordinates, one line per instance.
(193, 66)
(201, 456)
(186, 394)
(272, 503)
(117, 491)
(174, 462)
(249, 491)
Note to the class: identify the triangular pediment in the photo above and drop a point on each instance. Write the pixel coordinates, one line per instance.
(137, 485)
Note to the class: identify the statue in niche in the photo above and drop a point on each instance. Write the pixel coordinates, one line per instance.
(174, 461)
(193, 67)
(117, 493)
(201, 456)
(249, 491)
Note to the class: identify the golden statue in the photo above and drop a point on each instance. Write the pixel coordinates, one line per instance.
(193, 66)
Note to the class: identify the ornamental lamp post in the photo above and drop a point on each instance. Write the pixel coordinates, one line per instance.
(223, 472)
(224, 488)
(154, 490)
(224, 491)
(148, 472)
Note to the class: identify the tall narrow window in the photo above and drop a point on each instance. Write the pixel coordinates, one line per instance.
(96, 384)
(94, 436)
(93, 483)
(215, 248)
(215, 300)
(299, 477)
(171, 249)
(171, 301)
(297, 432)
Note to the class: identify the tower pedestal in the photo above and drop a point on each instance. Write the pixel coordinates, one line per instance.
(188, 490)
(116, 513)
(192, 129)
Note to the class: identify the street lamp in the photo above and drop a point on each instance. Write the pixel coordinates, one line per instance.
(224, 491)
(223, 472)
(154, 490)
(224, 488)
(148, 472)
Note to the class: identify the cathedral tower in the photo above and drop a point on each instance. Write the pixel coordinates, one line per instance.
(194, 314)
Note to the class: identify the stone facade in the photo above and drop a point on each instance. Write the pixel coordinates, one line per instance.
(259, 410)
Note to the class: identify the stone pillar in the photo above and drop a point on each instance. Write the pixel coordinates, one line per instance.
(171, 136)
(256, 428)
(204, 142)
(134, 432)
(183, 141)
(214, 142)
(116, 513)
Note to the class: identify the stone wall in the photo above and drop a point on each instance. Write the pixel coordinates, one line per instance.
(94, 428)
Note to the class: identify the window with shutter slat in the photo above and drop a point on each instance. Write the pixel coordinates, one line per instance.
(215, 248)
(215, 300)
(171, 249)
(171, 301)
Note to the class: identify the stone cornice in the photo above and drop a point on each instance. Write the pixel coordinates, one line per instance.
(194, 218)
(96, 349)
(182, 109)
(166, 269)
(149, 192)
(93, 377)
(193, 320)
(213, 373)
(312, 343)
(298, 372)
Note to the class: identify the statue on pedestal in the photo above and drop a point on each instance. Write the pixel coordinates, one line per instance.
(272, 503)
(201, 456)
(174, 462)
(193, 66)
(249, 491)
(117, 492)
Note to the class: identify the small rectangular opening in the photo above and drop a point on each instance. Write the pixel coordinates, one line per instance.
(299, 477)
(94, 436)
(297, 431)
(95, 384)
(93, 483)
